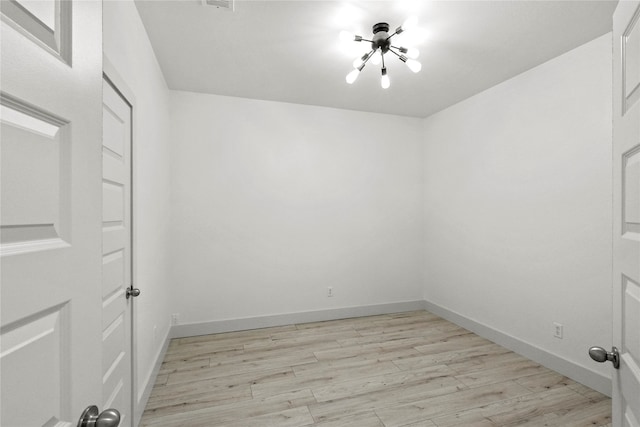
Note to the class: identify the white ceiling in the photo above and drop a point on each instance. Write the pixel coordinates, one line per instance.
(290, 51)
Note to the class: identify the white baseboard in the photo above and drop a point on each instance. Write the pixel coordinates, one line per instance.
(231, 325)
(577, 373)
(151, 380)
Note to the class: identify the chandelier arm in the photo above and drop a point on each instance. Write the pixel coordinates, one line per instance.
(369, 56)
(395, 32)
(393, 51)
(382, 55)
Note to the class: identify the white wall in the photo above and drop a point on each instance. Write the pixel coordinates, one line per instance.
(518, 205)
(274, 202)
(498, 208)
(128, 49)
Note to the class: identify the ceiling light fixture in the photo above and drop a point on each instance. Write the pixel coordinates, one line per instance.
(381, 45)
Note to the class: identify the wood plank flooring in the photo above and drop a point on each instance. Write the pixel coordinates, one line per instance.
(406, 369)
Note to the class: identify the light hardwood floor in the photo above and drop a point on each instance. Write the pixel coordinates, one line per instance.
(407, 369)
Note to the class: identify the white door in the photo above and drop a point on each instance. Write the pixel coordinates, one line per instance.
(626, 213)
(116, 254)
(50, 214)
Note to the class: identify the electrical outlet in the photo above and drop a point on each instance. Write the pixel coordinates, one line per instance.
(330, 291)
(175, 317)
(557, 332)
(155, 333)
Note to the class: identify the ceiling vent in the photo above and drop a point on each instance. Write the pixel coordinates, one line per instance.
(220, 4)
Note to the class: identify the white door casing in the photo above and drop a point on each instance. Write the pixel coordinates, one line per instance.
(116, 254)
(50, 214)
(626, 213)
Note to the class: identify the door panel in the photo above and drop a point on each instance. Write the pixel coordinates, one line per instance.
(631, 63)
(116, 253)
(47, 23)
(631, 192)
(626, 214)
(50, 322)
(33, 352)
(35, 150)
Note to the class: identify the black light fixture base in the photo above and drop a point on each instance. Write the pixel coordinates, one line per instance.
(381, 26)
(381, 37)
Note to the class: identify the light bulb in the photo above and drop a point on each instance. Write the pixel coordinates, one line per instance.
(414, 65)
(409, 52)
(409, 23)
(346, 36)
(353, 75)
(384, 81)
(413, 53)
(357, 62)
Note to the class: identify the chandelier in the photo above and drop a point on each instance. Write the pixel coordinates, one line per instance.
(381, 42)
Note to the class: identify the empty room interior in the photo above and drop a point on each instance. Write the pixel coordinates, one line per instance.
(407, 239)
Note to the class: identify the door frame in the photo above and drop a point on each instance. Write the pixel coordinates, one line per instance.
(111, 75)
